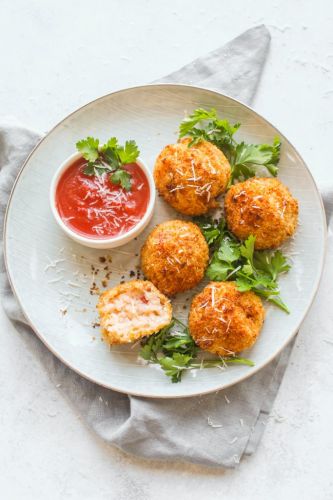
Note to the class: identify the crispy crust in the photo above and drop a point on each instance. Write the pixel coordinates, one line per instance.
(223, 320)
(133, 334)
(190, 178)
(174, 256)
(263, 207)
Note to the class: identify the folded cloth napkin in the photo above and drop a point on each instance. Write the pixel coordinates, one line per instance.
(215, 429)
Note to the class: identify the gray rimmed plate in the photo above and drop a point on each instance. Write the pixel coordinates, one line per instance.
(52, 276)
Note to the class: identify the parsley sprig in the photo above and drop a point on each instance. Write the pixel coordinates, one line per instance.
(246, 160)
(174, 350)
(256, 270)
(109, 158)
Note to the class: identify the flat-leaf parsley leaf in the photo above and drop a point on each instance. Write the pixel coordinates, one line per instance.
(256, 270)
(88, 148)
(246, 160)
(109, 158)
(174, 350)
(123, 178)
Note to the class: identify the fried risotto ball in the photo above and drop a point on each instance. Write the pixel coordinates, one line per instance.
(131, 311)
(174, 256)
(225, 321)
(190, 178)
(263, 207)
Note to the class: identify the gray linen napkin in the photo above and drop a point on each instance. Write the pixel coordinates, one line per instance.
(215, 429)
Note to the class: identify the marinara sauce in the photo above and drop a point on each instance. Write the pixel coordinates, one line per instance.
(95, 207)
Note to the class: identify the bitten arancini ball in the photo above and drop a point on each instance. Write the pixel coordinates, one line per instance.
(131, 311)
(263, 207)
(174, 256)
(225, 321)
(190, 178)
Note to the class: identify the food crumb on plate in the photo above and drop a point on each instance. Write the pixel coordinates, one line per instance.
(94, 290)
(211, 423)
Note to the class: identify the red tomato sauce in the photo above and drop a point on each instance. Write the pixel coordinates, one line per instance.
(95, 207)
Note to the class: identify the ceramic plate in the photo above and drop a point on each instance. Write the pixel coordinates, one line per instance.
(52, 276)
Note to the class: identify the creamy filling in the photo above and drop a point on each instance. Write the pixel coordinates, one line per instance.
(134, 311)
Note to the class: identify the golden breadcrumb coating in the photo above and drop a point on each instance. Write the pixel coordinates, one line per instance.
(263, 207)
(223, 320)
(131, 311)
(190, 178)
(174, 256)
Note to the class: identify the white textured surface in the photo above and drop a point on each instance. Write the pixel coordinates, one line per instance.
(50, 66)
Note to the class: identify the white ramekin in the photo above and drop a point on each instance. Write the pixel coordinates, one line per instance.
(102, 243)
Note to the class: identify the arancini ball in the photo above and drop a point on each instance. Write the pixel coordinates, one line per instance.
(175, 256)
(263, 207)
(223, 320)
(190, 177)
(131, 311)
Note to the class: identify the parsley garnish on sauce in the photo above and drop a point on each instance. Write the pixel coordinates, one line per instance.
(109, 158)
(174, 350)
(245, 159)
(256, 270)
